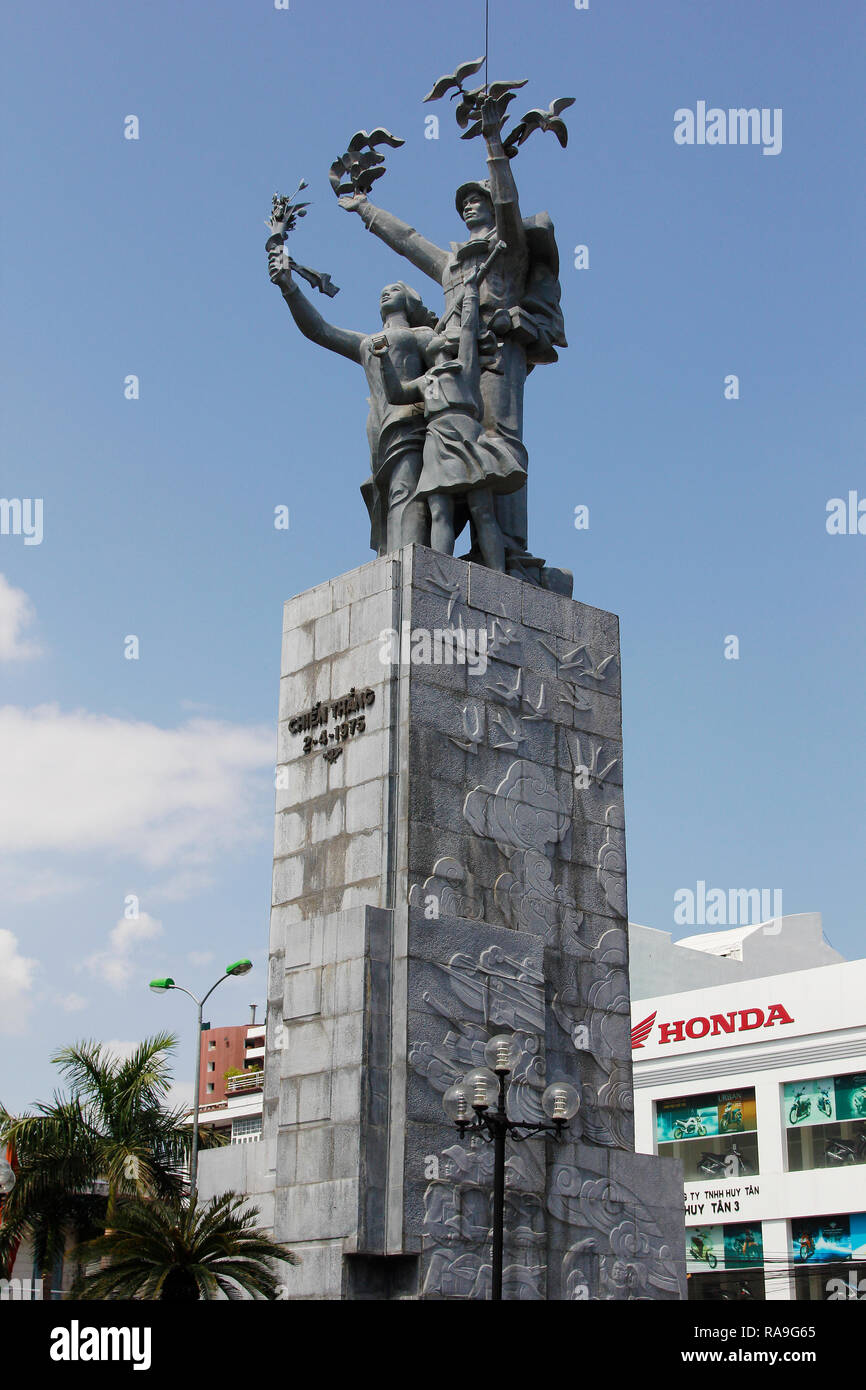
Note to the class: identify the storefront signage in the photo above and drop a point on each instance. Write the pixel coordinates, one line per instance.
(703, 1202)
(735, 1021)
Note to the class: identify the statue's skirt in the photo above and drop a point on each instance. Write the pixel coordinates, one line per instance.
(459, 456)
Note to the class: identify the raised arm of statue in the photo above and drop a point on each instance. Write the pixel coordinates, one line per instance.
(506, 203)
(402, 238)
(342, 340)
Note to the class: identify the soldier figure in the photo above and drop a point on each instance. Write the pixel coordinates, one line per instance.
(519, 302)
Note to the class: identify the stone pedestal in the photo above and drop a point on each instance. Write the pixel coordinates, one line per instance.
(450, 863)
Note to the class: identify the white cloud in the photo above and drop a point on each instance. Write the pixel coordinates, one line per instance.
(72, 1003)
(16, 981)
(120, 1050)
(177, 888)
(117, 964)
(200, 957)
(180, 1093)
(16, 613)
(31, 879)
(79, 782)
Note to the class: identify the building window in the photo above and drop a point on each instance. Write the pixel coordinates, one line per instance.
(246, 1129)
(825, 1119)
(211, 1066)
(209, 1088)
(715, 1135)
(211, 1043)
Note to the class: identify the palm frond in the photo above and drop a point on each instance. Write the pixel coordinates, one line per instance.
(161, 1249)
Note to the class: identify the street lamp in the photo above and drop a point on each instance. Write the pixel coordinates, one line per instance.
(476, 1105)
(161, 986)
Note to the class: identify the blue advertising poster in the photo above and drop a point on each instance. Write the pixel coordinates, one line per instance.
(858, 1235)
(744, 1246)
(851, 1097)
(690, 1121)
(705, 1116)
(724, 1247)
(817, 1239)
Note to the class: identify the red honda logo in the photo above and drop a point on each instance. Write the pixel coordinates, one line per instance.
(736, 1021)
(641, 1031)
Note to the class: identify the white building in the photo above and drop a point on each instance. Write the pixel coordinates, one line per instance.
(750, 1066)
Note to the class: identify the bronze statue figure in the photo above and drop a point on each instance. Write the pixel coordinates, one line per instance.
(460, 459)
(429, 472)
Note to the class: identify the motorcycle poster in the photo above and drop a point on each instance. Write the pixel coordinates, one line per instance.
(724, 1247)
(705, 1249)
(705, 1116)
(737, 1112)
(851, 1096)
(809, 1102)
(820, 1239)
(744, 1246)
(693, 1122)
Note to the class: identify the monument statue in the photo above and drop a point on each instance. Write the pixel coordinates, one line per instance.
(460, 459)
(412, 493)
(449, 840)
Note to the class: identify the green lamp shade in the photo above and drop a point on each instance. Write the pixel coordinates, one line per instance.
(239, 967)
(160, 986)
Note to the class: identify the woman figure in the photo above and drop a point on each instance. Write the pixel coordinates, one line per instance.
(395, 431)
(460, 461)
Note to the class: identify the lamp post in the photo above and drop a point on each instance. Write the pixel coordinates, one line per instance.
(482, 1093)
(238, 967)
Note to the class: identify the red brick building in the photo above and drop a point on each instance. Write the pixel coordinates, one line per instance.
(236, 1049)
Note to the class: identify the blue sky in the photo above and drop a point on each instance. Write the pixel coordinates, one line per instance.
(154, 777)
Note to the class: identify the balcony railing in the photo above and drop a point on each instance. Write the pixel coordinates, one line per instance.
(247, 1081)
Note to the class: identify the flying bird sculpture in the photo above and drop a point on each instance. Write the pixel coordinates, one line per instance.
(362, 163)
(490, 103)
(454, 79)
(496, 99)
(539, 120)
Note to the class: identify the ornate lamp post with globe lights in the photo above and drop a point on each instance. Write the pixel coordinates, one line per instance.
(477, 1106)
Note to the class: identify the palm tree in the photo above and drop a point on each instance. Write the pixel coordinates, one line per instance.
(182, 1252)
(53, 1197)
(111, 1137)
